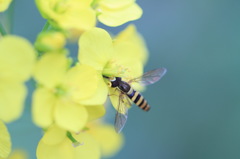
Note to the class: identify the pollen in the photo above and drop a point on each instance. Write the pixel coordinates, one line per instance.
(99, 11)
(122, 71)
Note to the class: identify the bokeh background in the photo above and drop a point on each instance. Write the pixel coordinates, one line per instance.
(196, 107)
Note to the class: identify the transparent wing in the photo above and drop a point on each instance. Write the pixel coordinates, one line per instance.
(150, 77)
(122, 112)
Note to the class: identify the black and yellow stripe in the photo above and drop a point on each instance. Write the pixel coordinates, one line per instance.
(138, 99)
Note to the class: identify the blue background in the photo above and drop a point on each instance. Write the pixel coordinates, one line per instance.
(196, 107)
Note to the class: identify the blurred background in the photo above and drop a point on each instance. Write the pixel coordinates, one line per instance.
(196, 107)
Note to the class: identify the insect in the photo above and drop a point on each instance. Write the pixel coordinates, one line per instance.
(127, 94)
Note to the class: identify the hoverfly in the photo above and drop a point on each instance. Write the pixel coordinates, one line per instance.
(127, 94)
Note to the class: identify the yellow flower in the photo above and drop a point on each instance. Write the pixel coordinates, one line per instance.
(17, 59)
(18, 154)
(65, 96)
(69, 15)
(77, 16)
(5, 141)
(117, 12)
(110, 142)
(50, 41)
(97, 141)
(4, 4)
(124, 57)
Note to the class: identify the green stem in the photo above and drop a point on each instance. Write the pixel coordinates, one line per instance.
(74, 141)
(11, 16)
(2, 30)
(46, 26)
(69, 135)
(93, 4)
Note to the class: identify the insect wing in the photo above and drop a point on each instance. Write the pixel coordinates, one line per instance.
(122, 113)
(150, 77)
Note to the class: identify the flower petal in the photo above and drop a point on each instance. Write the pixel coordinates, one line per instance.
(63, 150)
(74, 14)
(50, 41)
(95, 112)
(130, 51)
(109, 140)
(114, 97)
(18, 154)
(42, 110)
(50, 69)
(112, 16)
(116, 4)
(125, 102)
(129, 43)
(5, 141)
(17, 58)
(54, 135)
(70, 116)
(90, 148)
(78, 19)
(4, 5)
(81, 82)
(96, 48)
(100, 95)
(12, 100)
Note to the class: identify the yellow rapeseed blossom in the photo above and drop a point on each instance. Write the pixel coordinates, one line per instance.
(77, 16)
(17, 59)
(66, 96)
(50, 41)
(99, 140)
(5, 141)
(18, 154)
(123, 57)
(117, 12)
(69, 15)
(110, 142)
(4, 4)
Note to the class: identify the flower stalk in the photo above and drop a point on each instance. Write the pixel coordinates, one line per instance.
(2, 30)
(46, 26)
(75, 143)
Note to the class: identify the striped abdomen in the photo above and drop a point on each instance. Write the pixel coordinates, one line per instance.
(138, 99)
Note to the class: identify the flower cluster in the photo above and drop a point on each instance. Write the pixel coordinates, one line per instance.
(70, 96)
(17, 59)
(78, 16)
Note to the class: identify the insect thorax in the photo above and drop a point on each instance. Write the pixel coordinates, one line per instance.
(124, 86)
(115, 81)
